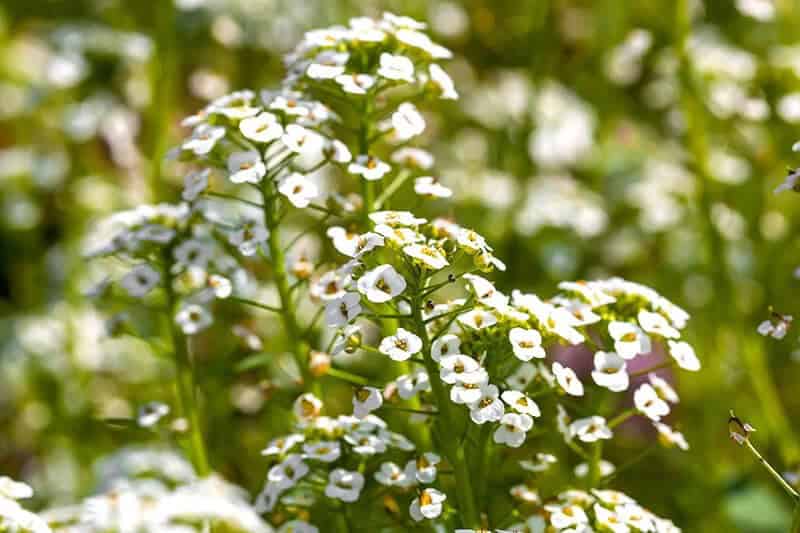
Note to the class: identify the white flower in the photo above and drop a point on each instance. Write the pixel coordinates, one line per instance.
(413, 157)
(325, 451)
(307, 407)
(290, 106)
(285, 475)
(194, 252)
(521, 403)
(407, 122)
(203, 139)
(429, 256)
(194, 184)
(410, 384)
(396, 218)
(609, 520)
(790, 183)
(485, 292)
(327, 65)
(342, 310)
(609, 371)
(298, 189)
(684, 354)
(419, 40)
(649, 403)
(400, 346)
(281, 445)
(629, 339)
(424, 468)
(344, 485)
(527, 343)
(330, 286)
(512, 429)
(657, 324)
(477, 319)
(262, 128)
(567, 379)
(246, 167)
(390, 475)
(353, 244)
(562, 322)
(427, 505)
(396, 67)
(236, 105)
(522, 377)
(664, 389)
(487, 408)
(366, 443)
(671, 437)
(193, 319)
(381, 284)
(337, 151)
(429, 186)
(776, 327)
(447, 344)
(524, 494)
(140, 280)
(460, 368)
(443, 82)
(542, 462)
(638, 518)
(302, 141)
(590, 429)
(14, 490)
(249, 237)
(149, 414)
(399, 235)
(355, 83)
(369, 167)
(366, 400)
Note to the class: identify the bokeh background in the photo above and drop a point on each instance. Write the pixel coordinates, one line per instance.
(592, 138)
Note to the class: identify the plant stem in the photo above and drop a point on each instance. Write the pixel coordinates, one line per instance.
(297, 345)
(186, 386)
(774, 473)
(347, 376)
(796, 519)
(164, 69)
(454, 453)
(594, 464)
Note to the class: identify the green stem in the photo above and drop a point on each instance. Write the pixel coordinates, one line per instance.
(620, 418)
(796, 519)
(186, 386)
(774, 473)
(484, 458)
(347, 376)
(299, 348)
(594, 464)
(454, 453)
(164, 68)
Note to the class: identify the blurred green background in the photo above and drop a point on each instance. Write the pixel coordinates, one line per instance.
(592, 138)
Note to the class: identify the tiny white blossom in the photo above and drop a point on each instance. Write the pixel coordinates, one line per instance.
(566, 516)
(381, 284)
(477, 319)
(400, 346)
(590, 429)
(610, 371)
(521, 403)
(286, 474)
(355, 83)
(366, 400)
(429, 186)
(488, 407)
(609, 520)
(262, 128)
(344, 485)
(413, 157)
(460, 368)
(790, 183)
(396, 67)
(407, 122)
(657, 324)
(140, 280)
(443, 82)
(369, 167)
(327, 65)
(427, 505)
(307, 407)
(249, 237)
(281, 445)
(664, 389)
(567, 379)
(194, 184)
(246, 167)
(14, 490)
(526, 343)
(540, 464)
(424, 468)
(448, 344)
(429, 256)
(671, 437)
(629, 339)
(302, 141)
(649, 403)
(512, 429)
(342, 310)
(193, 319)
(684, 354)
(410, 384)
(298, 189)
(203, 139)
(391, 475)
